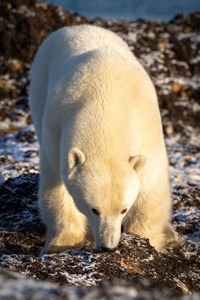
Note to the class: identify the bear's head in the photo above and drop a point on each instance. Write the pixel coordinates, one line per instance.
(104, 191)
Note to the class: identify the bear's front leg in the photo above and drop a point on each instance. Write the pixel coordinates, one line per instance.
(149, 218)
(66, 226)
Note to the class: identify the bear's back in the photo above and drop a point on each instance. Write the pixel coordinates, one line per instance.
(75, 40)
(64, 53)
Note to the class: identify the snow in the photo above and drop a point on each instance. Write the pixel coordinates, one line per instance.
(21, 156)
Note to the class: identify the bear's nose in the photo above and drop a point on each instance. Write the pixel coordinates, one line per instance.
(105, 249)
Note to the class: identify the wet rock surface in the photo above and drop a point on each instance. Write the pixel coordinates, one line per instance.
(170, 53)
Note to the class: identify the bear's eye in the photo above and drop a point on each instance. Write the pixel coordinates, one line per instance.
(95, 211)
(124, 211)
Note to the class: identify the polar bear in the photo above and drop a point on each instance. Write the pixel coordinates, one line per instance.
(103, 160)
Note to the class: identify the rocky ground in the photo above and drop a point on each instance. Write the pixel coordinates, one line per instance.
(171, 54)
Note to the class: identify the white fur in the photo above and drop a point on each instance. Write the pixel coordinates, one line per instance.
(96, 115)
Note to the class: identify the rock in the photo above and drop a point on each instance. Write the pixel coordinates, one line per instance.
(21, 242)
(23, 288)
(169, 130)
(176, 87)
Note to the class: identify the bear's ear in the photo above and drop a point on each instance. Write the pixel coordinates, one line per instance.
(137, 162)
(75, 157)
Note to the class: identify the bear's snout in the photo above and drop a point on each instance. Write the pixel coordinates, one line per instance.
(107, 233)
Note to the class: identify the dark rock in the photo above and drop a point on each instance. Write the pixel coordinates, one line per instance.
(19, 287)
